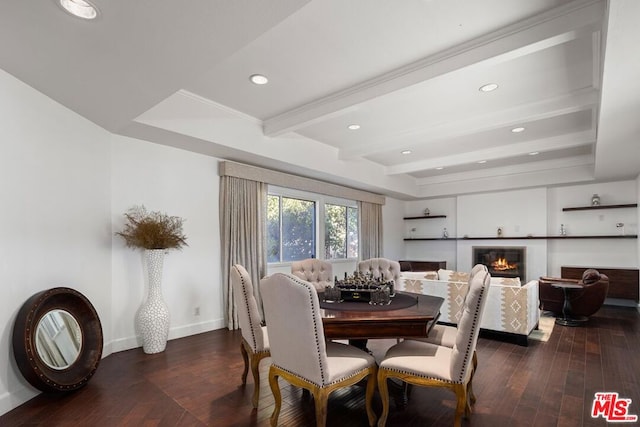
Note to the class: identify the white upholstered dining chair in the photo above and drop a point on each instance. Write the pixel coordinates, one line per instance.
(381, 267)
(385, 268)
(299, 352)
(429, 365)
(318, 272)
(255, 341)
(445, 335)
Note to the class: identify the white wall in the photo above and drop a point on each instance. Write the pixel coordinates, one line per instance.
(66, 184)
(441, 250)
(55, 222)
(178, 183)
(536, 212)
(392, 229)
(518, 213)
(600, 252)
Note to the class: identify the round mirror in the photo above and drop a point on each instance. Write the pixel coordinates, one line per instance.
(57, 340)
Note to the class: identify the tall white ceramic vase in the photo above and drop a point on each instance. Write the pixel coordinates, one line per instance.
(153, 315)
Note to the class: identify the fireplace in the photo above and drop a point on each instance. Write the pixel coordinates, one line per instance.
(502, 261)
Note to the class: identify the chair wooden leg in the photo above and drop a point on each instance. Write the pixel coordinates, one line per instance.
(277, 397)
(372, 382)
(321, 400)
(461, 404)
(245, 357)
(463, 407)
(467, 406)
(255, 364)
(472, 396)
(384, 396)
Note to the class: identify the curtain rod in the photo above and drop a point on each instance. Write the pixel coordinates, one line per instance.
(296, 182)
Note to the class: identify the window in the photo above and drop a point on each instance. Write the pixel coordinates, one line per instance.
(295, 230)
(291, 229)
(341, 232)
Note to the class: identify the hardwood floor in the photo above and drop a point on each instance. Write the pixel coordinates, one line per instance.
(196, 382)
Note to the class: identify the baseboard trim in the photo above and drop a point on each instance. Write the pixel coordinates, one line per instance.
(22, 394)
(122, 344)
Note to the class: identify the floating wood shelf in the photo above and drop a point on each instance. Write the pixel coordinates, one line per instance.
(617, 236)
(453, 239)
(588, 208)
(425, 217)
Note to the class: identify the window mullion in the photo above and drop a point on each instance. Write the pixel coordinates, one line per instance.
(320, 229)
(280, 227)
(346, 232)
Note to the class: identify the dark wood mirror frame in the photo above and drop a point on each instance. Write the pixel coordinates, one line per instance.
(31, 365)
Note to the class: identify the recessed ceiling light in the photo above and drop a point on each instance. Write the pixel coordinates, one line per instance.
(482, 161)
(489, 87)
(439, 168)
(353, 127)
(406, 152)
(534, 153)
(258, 79)
(517, 130)
(80, 8)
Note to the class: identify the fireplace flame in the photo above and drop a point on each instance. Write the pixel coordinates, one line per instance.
(501, 264)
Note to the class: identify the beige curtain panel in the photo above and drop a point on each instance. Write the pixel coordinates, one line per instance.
(370, 230)
(243, 204)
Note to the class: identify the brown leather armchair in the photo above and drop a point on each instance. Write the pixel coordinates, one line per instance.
(584, 302)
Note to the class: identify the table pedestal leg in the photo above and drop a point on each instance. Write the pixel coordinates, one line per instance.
(567, 318)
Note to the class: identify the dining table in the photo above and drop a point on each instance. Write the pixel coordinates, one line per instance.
(408, 315)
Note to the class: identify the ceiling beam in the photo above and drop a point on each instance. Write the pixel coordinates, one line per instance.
(567, 175)
(540, 32)
(500, 152)
(566, 104)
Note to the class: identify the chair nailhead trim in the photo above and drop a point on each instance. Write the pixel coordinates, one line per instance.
(254, 341)
(323, 373)
(429, 377)
(320, 385)
(474, 326)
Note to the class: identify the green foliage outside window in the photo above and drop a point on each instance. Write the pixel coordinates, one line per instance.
(341, 232)
(291, 230)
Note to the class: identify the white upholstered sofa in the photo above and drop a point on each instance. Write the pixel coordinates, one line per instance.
(511, 307)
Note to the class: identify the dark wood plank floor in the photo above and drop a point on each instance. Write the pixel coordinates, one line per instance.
(196, 382)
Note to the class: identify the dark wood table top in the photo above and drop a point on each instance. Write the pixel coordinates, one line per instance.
(411, 322)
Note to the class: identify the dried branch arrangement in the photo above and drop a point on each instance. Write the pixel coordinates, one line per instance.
(152, 230)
